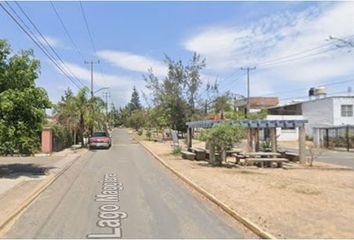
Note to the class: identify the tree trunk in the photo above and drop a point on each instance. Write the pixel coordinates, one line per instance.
(223, 156)
(74, 136)
(211, 154)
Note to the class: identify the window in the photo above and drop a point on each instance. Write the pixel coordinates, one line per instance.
(347, 110)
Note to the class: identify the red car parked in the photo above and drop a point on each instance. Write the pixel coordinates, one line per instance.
(100, 140)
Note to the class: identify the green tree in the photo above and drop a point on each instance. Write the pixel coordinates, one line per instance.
(114, 116)
(176, 94)
(222, 105)
(135, 101)
(22, 104)
(193, 81)
(136, 120)
(81, 113)
(221, 137)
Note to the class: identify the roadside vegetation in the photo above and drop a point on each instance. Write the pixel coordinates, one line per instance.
(176, 99)
(22, 103)
(80, 114)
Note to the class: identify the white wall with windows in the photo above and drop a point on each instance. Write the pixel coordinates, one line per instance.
(343, 111)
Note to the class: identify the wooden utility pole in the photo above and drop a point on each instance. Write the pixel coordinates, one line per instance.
(248, 69)
(91, 63)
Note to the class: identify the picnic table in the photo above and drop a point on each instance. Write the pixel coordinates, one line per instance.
(261, 158)
(200, 153)
(233, 151)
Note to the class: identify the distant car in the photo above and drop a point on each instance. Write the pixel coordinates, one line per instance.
(100, 140)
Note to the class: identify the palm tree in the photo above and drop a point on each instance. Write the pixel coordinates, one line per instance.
(81, 114)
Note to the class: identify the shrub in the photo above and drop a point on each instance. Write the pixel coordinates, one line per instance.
(61, 137)
(140, 132)
(148, 134)
(176, 150)
(222, 136)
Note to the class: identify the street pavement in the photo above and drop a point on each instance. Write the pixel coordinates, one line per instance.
(333, 157)
(122, 193)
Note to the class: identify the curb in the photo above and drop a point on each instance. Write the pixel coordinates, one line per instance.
(5, 225)
(245, 221)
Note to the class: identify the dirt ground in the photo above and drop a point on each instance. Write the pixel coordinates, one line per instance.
(293, 203)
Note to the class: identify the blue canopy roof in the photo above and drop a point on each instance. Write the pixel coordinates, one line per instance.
(250, 123)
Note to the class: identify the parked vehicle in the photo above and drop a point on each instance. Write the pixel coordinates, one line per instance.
(100, 140)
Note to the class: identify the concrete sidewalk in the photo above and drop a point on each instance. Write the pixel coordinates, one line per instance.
(21, 178)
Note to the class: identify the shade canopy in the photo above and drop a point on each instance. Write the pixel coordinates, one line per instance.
(250, 123)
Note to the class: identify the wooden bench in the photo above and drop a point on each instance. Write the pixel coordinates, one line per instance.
(200, 153)
(238, 157)
(188, 155)
(294, 157)
(268, 161)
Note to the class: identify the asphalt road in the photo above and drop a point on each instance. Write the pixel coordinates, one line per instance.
(333, 157)
(139, 199)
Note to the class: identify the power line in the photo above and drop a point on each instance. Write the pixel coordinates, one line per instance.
(326, 83)
(90, 37)
(30, 34)
(66, 30)
(47, 43)
(298, 58)
(300, 55)
(87, 27)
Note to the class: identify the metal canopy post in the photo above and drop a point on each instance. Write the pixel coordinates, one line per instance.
(273, 138)
(302, 146)
(256, 136)
(189, 139)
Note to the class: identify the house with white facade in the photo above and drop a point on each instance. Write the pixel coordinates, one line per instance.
(321, 112)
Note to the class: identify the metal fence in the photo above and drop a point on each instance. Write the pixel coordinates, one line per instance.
(341, 137)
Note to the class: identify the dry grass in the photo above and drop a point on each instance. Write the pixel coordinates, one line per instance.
(298, 203)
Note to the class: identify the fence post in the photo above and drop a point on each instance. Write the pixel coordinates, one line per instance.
(302, 145)
(347, 137)
(327, 138)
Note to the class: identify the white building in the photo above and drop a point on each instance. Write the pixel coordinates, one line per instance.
(286, 134)
(321, 112)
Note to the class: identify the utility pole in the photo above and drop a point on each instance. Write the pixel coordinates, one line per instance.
(106, 95)
(248, 69)
(92, 63)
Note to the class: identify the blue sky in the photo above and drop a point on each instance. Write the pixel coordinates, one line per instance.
(286, 41)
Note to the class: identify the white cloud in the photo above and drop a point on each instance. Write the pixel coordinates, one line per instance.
(100, 79)
(54, 42)
(133, 62)
(279, 35)
(120, 86)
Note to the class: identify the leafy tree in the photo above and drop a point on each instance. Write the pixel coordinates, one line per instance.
(221, 137)
(136, 119)
(176, 94)
(238, 115)
(222, 104)
(22, 104)
(81, 113)
(134, 101)
(114, 116)
(193, 81)
(258, 115)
